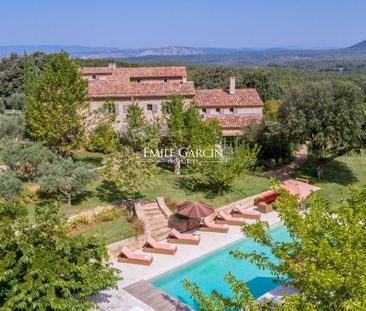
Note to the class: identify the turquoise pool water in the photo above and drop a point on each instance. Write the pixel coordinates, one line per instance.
(209, 271)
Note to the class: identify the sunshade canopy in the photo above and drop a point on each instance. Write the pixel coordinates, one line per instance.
(302, 189)
(195, 209)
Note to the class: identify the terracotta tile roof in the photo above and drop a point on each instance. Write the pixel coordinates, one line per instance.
(234, 121)
(96, 70)
(114, 88)
(151, 72)
(221, 98)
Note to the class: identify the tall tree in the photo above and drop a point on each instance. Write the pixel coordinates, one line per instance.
(53, 113)
(128, 170)
(187, 129)
(327, 117)
(140, 132)
(221, 172)
(104, 137)
(324, 260)
(43, 267)
(66, 177)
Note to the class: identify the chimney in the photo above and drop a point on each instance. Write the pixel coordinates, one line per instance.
(232, 86)
(184, 80)
(113, 66)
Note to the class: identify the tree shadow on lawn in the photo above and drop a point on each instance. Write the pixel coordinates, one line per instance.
(108, 192)
(80, 197)
(335, 172)
(192, 184)
(96, 161)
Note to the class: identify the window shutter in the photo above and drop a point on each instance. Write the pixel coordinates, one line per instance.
(236, 110)
(154, 108)
(125, 108)
(221, 110)
(116, 109)
(207, 111)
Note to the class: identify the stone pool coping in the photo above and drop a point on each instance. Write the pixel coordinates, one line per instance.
(210, 242)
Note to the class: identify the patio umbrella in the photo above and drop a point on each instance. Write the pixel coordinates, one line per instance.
(302, 189)
(195, 209)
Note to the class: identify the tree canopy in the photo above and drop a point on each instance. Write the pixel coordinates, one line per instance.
(220, 173)
(329, 118)
(53, 109)
(187, 129)
(10, 186)
(43, 267)
(66, 177)
(140, 133)
(25, 157)
(129, 171)
(324, 260)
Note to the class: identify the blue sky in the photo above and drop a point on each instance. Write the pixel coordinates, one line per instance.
(198, 23)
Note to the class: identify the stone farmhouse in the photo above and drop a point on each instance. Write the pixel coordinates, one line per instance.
(151, 86)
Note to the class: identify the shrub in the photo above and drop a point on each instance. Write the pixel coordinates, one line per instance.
(26, 157)
(103, 139)
(108, 215)
(14, 101)
(78, 221)
(11, 126)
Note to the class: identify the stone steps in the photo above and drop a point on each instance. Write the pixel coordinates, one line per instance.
(155, 221)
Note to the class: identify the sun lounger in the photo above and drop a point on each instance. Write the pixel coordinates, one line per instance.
(176, 237)
(129, 257)
(246, 213)
(212, 227)
(153, 246)
(222, 218)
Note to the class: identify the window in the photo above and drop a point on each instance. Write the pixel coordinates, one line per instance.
(95, 77)
(231, 110)
(204, 110)
(149, 107)
(140, 81)
(166, 80)
(218, 110)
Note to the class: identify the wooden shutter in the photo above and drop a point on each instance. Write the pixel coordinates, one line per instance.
(207, 111)
(125, 108)
(154, 108)
(221, 110)
(116, 109)
(236, 110)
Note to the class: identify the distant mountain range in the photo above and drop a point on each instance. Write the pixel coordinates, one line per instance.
(186, 55)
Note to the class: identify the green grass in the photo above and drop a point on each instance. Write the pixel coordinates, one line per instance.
(338, 175)
(112, 231)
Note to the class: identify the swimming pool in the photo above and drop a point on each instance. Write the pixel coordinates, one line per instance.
(209, 271)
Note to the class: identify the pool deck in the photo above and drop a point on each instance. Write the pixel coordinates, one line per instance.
(210, 242)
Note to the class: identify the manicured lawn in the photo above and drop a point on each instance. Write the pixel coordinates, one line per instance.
(338, 175)
(177, 188)
(111, 231)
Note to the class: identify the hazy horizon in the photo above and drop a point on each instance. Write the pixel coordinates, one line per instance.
(161, 23)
